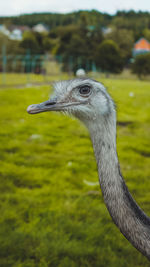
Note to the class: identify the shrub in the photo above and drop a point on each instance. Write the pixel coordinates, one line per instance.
(108, 57)
(141, 65)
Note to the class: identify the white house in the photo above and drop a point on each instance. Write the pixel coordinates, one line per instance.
(16, 34)
(106, 30)
(40, 28)
(4, 30)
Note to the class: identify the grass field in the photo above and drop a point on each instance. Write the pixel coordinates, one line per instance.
(14, 79)
(29, 79)
(52, 211)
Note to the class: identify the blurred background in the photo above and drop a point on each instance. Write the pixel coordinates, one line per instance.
(40, 46)
(52, 210)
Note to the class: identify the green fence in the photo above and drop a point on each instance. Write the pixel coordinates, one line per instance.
(34, 68)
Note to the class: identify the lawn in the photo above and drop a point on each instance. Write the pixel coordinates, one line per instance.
(51, 206)
(27, 79)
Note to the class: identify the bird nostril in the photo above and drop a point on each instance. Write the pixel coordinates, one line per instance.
(50, 103)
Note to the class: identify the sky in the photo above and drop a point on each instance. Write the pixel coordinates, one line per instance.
(17, 7)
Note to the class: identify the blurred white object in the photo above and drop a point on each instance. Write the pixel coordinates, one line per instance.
(90, 183)
(35, 136)
(80, 73)
(131, 94)
(69, 163)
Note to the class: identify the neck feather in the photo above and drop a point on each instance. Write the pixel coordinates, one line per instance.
(126, 214)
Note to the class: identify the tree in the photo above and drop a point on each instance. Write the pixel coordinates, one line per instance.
(47, 43)
(30, 42)
(141, 65)
(146, 34)
(12, 46)
(108, 57)
(125, 41)
(77, 44)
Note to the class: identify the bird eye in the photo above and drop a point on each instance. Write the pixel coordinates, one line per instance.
(85, 90)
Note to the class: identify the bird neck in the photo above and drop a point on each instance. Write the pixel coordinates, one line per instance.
(126, 214)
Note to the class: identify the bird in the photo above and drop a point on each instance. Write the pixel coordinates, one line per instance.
(88, 100)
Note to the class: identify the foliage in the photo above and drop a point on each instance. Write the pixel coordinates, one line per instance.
(146, 34)
(141, 65)
(76, 36)
(29, 42)
(131, 20)
(56, 19)
(108, 57)
(12, 46)
(36, 42)
(49, 215)
(77, 45)
(125, 40)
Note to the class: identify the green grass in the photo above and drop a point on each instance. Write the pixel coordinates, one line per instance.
(15, 79)
(49, 215)
(54, 73)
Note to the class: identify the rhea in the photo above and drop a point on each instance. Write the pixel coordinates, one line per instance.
(89, 101)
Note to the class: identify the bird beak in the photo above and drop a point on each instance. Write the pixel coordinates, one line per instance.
(50, 105)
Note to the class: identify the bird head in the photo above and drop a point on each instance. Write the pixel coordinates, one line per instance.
(83, 98)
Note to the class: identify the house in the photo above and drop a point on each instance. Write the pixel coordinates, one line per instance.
(106, 30)
(41, 28)
(4, 30)
(16, 32)
(142, 46)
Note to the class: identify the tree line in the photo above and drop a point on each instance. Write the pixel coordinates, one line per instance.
(82, 39)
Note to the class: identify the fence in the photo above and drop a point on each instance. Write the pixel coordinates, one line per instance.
(24, 64)
(29, 66)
